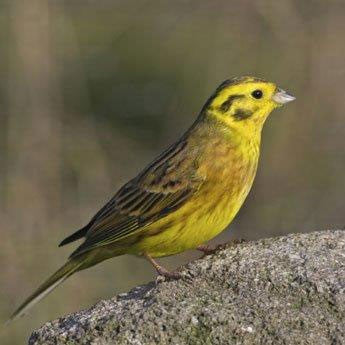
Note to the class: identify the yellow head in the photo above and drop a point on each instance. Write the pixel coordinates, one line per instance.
(244, 103)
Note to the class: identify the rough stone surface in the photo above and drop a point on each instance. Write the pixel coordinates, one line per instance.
(286, 290)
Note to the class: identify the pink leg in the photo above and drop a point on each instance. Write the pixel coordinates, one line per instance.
(161, 270)
(208, 250)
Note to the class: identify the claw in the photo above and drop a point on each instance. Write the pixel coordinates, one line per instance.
(208, 250)
(161, 270)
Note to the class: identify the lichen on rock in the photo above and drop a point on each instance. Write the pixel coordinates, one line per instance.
(285, 290)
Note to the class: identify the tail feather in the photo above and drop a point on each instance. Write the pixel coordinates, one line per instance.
(49, 285)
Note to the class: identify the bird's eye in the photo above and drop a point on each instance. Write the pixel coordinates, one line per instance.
(257, 94)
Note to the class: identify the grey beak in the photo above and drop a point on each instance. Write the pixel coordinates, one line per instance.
(282, 97)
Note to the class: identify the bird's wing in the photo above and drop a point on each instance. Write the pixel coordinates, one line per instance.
(164, 186)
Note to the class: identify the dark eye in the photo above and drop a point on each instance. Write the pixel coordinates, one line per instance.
(257, 94)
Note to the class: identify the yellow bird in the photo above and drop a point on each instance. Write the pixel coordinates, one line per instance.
(188, 194)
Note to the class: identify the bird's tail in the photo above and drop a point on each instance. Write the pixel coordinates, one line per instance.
(49, 285)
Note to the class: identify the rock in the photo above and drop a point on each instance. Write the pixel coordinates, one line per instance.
(286, 290)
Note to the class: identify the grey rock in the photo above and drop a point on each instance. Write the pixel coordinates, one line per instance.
(286, 290)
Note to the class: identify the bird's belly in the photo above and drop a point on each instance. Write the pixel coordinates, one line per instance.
(192, 225)
(202, 217)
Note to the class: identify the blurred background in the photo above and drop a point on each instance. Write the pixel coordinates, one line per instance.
(90, 91)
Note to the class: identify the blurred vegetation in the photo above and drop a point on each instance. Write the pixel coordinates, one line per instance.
(90, 91)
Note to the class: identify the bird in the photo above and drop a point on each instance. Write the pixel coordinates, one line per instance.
(188, 194)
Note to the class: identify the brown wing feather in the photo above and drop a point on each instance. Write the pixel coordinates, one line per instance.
(164, 185)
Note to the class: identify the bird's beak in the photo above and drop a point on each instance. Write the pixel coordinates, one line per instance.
(281, 97)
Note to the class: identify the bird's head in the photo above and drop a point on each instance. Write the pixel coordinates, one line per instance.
(244, 103)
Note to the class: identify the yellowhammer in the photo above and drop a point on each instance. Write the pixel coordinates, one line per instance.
(188, 194)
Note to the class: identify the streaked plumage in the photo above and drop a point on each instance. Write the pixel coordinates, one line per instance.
(189, 193)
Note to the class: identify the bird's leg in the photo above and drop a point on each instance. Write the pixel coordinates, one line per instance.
(208, 250)
(161, 270)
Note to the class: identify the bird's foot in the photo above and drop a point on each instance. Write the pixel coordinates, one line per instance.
(168, 274)
(208, 250)
(163, 271)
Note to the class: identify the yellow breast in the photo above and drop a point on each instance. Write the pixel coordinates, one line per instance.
(228, 179)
